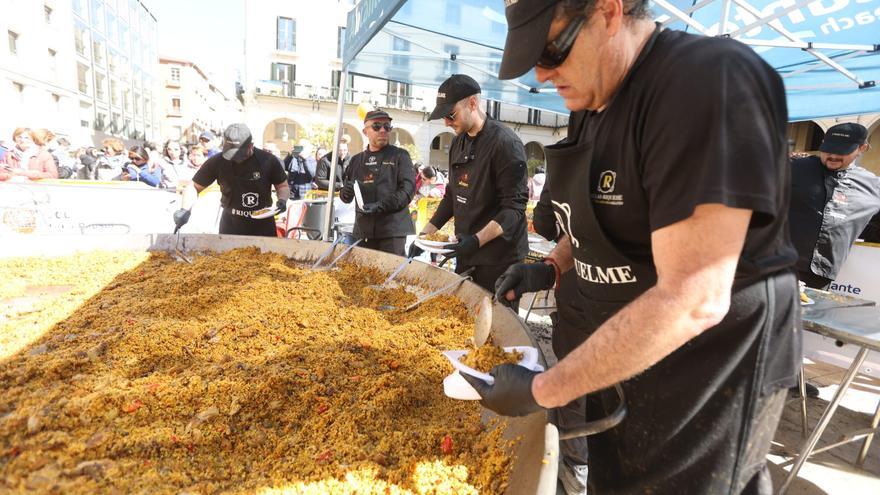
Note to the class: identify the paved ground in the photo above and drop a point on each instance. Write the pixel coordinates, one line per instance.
(832, 472)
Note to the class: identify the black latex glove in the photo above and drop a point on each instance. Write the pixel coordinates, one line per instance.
(467, 244)
(370, 209)
(346, 193)
(414, 251)
(522, 278)
(181, 216)
(511, 394)
(281, 206)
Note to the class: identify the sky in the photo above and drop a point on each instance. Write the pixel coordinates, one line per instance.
(209, 33)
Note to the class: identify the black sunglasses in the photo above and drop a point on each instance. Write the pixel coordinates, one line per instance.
(556, 51)
(451, 116)
(377, 126)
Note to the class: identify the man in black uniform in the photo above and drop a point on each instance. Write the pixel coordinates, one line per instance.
(832, 201)
(246, 176)
(488, 185)
(673, 192)
(385, 177)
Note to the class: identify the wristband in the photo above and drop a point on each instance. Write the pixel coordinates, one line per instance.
(558, 272)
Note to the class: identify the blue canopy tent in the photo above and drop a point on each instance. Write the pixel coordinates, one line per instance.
(827, 51)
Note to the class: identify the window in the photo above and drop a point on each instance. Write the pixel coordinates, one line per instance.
(340, 41)
(56, 99)
(81, 8)
(101, 120)
(116, 123)
(85, 114)
(286, 74)
(13, 43)
(98, 52)
(175, 104)
(128, 129)
(84, 78)
(399, 94)
(98, 15)
(175, 74)
(435, 144)
(450, 66)
(453, 13)
(335, 78)
(112, 28)
(124, 40)
(100, 87)
(493, 108)
(113, 62)
(82, 40)
(48, 13)
(53, 62)
(114, 92)
(126, 99)
(400, 45)
(286, 36)
(534, 116)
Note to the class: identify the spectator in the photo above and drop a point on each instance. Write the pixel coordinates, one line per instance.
(197, 156)
(29, 158)
(307, 152)
(536, 184)
(430, 186)
(175, 167)
(298, 177)
(109, 165)
(322, 175)
(207, 140)
(138, 168)
(60, 150)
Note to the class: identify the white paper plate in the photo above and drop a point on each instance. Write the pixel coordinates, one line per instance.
(456, 387)
(431, 249)
(264, 213)
(437, 244)
(358, 197)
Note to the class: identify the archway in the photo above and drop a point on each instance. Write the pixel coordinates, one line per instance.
(806, 136)
(284, 133)
(439, 156)
(356, 136)
(534, 156)
(400, 137)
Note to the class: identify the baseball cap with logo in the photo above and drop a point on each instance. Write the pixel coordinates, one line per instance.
(528, 22)
(376, 114)
(843, 139)
(236, 141)
(453, 90)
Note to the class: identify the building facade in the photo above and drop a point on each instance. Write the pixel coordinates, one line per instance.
(191, 103)
(85, 69)
(293, 51)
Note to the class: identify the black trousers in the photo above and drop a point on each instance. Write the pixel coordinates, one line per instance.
(393, 245)
(814, 281)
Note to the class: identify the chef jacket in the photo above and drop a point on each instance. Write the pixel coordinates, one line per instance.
(386, 177)
(828, 211)
(488, 181)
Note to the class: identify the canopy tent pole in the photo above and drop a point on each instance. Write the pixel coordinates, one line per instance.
(725, 14)
(681, 16)
(337, 136)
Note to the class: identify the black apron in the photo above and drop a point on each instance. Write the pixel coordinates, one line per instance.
(242, 196)
(689, 413)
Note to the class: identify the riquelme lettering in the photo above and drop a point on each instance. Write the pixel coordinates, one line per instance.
(605, 275)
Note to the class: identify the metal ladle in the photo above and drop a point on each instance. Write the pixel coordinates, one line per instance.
(446, 288)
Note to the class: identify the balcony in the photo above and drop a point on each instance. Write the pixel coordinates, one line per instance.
(313, 92)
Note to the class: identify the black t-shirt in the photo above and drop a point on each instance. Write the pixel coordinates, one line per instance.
(253, 177)
(671, 140)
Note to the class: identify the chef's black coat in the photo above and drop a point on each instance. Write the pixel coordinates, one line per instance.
(488, 181)
(386, 177)
(829, 209)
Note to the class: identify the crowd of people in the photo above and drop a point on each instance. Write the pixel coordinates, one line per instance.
(40, 154)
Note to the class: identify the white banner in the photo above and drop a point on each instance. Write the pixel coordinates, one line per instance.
(89, 207)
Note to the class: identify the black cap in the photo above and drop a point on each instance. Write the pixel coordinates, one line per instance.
(236, 141)
(453, 90)
(528, 22)
(843, 139)
(377, 114)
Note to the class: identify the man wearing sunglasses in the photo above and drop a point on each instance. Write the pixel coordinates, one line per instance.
(384, 174)
(488, 186)
(672, 190)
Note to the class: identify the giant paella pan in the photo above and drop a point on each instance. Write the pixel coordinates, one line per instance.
(246, 371)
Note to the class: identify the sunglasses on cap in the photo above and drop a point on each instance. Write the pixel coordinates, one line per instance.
(556, 51)
(376, 126)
